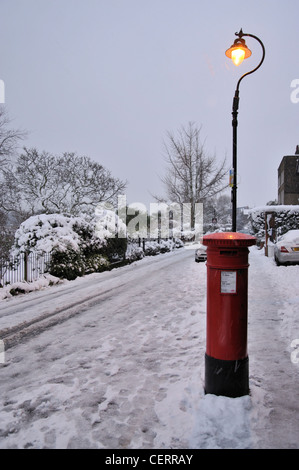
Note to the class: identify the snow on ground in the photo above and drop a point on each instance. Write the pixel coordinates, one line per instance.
(126, 371)
(25, 287)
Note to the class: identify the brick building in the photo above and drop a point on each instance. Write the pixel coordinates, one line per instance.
(288, 179)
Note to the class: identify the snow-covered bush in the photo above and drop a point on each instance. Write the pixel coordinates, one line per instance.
(45, 233)
(108, 224)
(151, 248)
(178, 243)
(68, 264)
(74, 243)
(166, 245)
(110, 228)
(114, 249)
(95, 263)
(134, 252)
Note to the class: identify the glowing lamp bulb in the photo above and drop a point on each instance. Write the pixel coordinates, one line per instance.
(238, 51)
(238, 55)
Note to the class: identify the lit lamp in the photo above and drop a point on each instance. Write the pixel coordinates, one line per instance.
(238, 52)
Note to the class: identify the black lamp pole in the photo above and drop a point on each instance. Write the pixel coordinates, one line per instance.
(235, 125)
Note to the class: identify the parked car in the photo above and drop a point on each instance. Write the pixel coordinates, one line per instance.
(201, 253)
(286, 250)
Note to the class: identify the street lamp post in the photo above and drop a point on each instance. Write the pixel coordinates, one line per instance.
(238, 52)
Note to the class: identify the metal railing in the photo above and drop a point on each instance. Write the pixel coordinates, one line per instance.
(25, 267)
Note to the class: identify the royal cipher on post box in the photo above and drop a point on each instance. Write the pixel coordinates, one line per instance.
(226, 358)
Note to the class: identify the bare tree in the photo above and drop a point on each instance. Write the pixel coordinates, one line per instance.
(9, 141)
(6, 237)
(191, 175)
(43, 183)
(9, 138)
(217, 212)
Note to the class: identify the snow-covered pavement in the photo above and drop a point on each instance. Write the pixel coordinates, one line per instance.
(118, 361)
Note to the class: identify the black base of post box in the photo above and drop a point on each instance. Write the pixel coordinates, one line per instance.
(226, 378)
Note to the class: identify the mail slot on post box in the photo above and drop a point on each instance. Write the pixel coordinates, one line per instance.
(226, 358)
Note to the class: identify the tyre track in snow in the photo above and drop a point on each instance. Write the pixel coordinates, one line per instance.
(51, 314)
(15, 334)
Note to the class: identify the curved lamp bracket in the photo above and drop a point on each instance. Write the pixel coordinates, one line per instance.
(240, 34)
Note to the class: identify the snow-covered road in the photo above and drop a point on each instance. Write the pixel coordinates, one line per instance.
(118, 361)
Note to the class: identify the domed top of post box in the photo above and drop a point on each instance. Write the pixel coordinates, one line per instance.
(228, 239)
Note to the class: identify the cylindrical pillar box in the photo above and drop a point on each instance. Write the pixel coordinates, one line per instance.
(226, 358)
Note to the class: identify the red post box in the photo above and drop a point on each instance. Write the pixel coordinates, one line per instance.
(226, 358)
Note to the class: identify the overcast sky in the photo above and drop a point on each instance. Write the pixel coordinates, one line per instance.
(109, 78)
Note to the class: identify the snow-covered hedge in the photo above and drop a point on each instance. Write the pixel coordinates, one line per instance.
(153, 248)
(81, 245)
(134, 252)
(45, 233)
(74, 243)
(286, 218)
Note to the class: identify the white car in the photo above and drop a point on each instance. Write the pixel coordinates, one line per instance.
(201, 253)
(286, 250)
